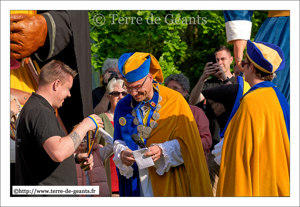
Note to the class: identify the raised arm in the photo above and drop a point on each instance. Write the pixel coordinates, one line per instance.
(196, 94)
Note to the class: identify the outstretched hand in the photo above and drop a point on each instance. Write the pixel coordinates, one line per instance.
(90, 123)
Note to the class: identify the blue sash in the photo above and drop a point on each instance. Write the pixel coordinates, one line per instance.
(236, 105)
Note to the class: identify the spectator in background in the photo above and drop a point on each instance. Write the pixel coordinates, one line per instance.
(181, 84)
(221, 71)
(15, 108)
(114, 93)
(96, 176)
(100, 101)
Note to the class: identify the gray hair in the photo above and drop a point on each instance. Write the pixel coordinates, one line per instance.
(181, 79)
(109, 63)
(113, 82)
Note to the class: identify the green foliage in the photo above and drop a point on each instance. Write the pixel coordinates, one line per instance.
(257, 19)
(180, 40)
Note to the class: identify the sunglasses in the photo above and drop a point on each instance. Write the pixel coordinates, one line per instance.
(245, 63)
(117, 93)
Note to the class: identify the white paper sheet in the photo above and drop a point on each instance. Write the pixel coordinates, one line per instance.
(141, 160)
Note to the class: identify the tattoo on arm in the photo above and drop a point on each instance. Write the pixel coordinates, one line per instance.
(75, 138)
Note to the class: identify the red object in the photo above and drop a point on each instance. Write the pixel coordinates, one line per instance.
(114, 175)
(14, 64)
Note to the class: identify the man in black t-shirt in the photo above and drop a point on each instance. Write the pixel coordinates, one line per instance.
(61, 35)
(221, 71)
(44, 153)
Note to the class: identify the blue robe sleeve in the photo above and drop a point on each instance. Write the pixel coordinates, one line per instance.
(117, 130)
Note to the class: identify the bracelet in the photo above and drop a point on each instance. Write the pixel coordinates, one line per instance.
(225, 81)
(76, 158)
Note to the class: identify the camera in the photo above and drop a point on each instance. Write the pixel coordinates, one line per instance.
(113, 75)
(211, 58)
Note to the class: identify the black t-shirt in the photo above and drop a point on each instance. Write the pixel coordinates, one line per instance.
(214, 125)
(68, 40)
(37, 122)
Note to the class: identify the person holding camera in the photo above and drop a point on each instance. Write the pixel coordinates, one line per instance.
(109, 71)
(218, 66)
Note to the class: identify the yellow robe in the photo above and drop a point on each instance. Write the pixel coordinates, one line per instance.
(177, 122)
(256, 153)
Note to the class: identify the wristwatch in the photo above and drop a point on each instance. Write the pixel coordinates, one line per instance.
(76, 158)
(225, 81)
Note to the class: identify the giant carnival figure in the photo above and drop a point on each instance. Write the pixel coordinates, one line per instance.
(274, 30)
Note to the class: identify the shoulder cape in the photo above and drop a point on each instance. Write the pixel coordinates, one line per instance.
(256, 152)
(176, 122)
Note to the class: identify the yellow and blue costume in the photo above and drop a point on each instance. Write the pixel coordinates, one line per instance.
(176, 122)
(274, 30)
(256, 153)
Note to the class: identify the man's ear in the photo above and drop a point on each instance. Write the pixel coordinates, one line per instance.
(252, 69)
(150, 76)
(231, 59)
(56, 84)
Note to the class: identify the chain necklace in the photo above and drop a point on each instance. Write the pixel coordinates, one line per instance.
(144, 130)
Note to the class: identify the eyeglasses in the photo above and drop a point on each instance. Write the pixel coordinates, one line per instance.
(175, 88)
(136, 88)
(117, 93)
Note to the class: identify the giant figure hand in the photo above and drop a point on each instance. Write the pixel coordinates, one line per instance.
(238, 49)
(28, 33)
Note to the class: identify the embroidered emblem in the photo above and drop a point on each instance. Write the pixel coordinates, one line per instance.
(122, 121)
(152, 104)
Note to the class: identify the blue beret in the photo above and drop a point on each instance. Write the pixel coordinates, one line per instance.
(266, 57)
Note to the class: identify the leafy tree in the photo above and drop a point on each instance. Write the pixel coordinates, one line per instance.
(180, 40)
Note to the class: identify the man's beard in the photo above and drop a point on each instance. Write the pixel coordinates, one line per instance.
(144, 98)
